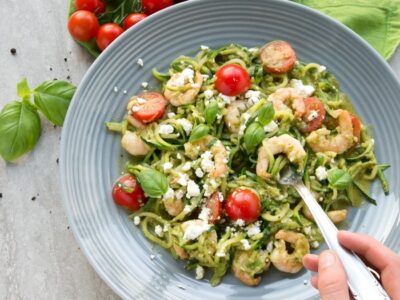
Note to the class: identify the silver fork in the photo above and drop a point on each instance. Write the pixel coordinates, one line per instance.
(363, 285)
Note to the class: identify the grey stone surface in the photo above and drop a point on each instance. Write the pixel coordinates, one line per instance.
(39, 258)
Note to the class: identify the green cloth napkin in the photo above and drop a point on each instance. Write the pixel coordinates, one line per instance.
(377, 21)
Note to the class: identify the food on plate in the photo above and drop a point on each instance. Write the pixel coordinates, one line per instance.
(207, 150)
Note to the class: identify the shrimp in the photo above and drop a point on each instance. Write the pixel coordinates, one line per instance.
(131, 119)
(248, 264)
(133, 144)
(288, 96)
(336, 216)
(282, 259)
(173, 206)
(180, 251)
(232, 115)
(279, 144)
(321, 140)
(220, 167)
(186, 96)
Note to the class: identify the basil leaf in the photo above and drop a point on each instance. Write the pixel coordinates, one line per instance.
(53, 98)
(153, 183)
(23, 90)
(198, 132)
(253, 136)
(19, 129)
(266, 114)
(211, 112)
(339, 179)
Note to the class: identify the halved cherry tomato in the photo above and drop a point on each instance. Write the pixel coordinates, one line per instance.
(232, 80)
(152, 6)
(132, 19)
(243, 204)
(214, 204)
(128, 194)
(83, 25)
(94, 6)
(149, 107)
(277, 57)
(107, 34)
(313, 106)
(356, 127)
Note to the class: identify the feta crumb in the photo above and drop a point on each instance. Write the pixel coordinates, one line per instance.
(253, 229)
(166, 227)
(321, 69)
(183, 179)
(194, 229)
(204, 214)
(242, 128)
(167, 166)
(165, 129)
(313, 115)
(179, 194)
(252, 96)
(253, 49)
(115, 89)
(221, 197)
(220, 253)
(199, 272)
(152, 256)
(178, 156)
(135, 108)
(205, 76)
(304, 90)
(227, 99)
(219, 117)
(187, 209)
(125, 92)
(208, 94)
(305, 282)
(207, 164)
(136, 220)
(239, 222)
(207, 190)
(204, 48)
(169, 194)
(199, 173)
(141, 100)
(270, 246)
(213, 183)
(271, 126)
(187, 126)
(159, 231)
(307, 230)
(186, 166)
(315, 244)
(187, 75)
(321, 173)
(140, 62)
(193, 189)
(245, 244)
(145, 84)
(171, 115)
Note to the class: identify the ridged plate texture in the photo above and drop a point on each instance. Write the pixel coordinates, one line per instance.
(90, 156)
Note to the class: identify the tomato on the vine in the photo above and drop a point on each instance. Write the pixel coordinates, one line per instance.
(243, 204)
(232, 80)
(133, 19)
(128, 194)
(107, 34)
(152, 6)
(83, 25)
(94, 6)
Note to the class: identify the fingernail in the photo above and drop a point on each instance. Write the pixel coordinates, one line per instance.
(326, 259)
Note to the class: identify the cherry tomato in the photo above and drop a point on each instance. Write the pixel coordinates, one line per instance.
(232, 80)
(132, 19)
(214, 204)
(356, 127)
(107, 34)
(313, 106)
(128, 194)
(149, 107)
(277, 57)
(83, 25)
(243, 204)
(152, 6)
(94, 6)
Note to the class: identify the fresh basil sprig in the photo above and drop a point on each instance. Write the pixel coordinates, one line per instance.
(339, 179)
(153, 183)
(198, 132)
(253, 136)
(20, 125)
(211, 112)
(266, 114)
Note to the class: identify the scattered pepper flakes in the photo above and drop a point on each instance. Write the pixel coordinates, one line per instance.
(57, 161)
(13, 51)
(51, 69)
(33, 198)
(65, 59)
(68, 77)
(68, 227)
(1, 195)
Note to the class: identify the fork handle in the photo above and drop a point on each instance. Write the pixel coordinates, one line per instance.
(363, 285)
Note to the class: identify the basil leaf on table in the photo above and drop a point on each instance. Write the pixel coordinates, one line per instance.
(23, 90)
(198, 132)
(253, 136)
(339, 179)
(153, 183)
(53, 98)
(19, 129)
(266, 114)
(211, 112)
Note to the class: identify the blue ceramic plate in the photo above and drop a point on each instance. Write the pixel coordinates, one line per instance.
(90, 156)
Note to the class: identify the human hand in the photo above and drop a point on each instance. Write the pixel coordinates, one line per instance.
(331, 280)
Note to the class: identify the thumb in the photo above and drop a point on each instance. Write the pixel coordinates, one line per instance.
(332, 280)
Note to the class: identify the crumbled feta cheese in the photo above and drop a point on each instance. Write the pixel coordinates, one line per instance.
(199, 173)
(204, 214)
(245, 244)
(227, 99)
(159, 231)
(253, 49)
(242, 128)
(207, 190)
(208, 94)
(167, 166)
(165, 129)
(304, 90)
(221, 197)
(207, 164)
(271, 126)
(135, 108)
(136, 220)
(145, 84)
(115, 89)
(315, 244)
(321, 68)
(220, 253)
(205, 76)
(194, 229)
(305, 282)
(307, 230)
(239, 222)
(252, 96)
(187, 209)
(204, 48)
(125, 92)
(171, 115)
(193, 189)
(166, 227)
(179, 194)
(199, 272)
(183, 179)
(152, 256)
(178, 156)
(321, 173)
(140, 62)
(253, 229)
(213, 183)
(219, 116)
(169, 194)
(186, 166)
(270, 246)
(187, 126)
(313, 115)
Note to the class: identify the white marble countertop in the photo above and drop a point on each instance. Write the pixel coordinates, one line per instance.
(39, 257)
